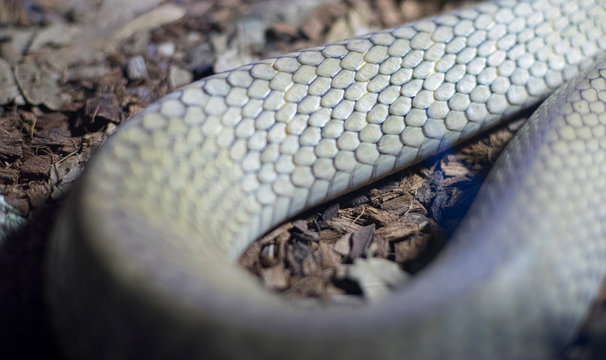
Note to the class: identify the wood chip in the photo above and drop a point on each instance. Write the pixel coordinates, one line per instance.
(397, 231)
(105, 107)
(321, 18)
(57, 138)
(279, 236)
(301, 231)
(390, 13)
(339, 30)
(310, 286)
(314, 28)
(365, 215)
(328, 256)
(403, 204)
(451, 181)
(8, 176)
(330, 212)
(415, 9)
(329, 235)
(37, 166)
(452, 166)
(275, 277)
(37, 193)
(310, 266)
(343, 245)
(11, 146)
(19, 201)
(296, 254)
(269, 255)
(282, 30)
(360, 240)
(343, 224)
(416, 251)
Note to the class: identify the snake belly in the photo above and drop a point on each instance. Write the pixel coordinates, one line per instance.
(141, 263)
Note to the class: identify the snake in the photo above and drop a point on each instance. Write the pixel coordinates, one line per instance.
(141, 264)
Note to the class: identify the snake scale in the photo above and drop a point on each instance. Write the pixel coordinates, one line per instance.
(141, 264)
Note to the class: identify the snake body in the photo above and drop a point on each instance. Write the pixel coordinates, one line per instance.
(142, 260)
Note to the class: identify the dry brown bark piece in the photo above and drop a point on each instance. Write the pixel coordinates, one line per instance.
(328, 257)
(104, 106)
(302, 232)
(402, 204)
(8, 176)
(11, 146)
(361, 240)
(389, 12)
(275, 277)
(314, 286)
(285, 31)
(19, 201)
(37, 166)
(37, 193)
(321, 18)
(343, 245)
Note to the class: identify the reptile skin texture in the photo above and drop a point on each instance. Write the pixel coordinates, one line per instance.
(142, 261)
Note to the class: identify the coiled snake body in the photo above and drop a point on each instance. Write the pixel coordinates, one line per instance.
(141, 264)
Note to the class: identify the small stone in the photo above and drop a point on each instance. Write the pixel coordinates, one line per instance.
(252, 34)
(136, 69)
(178, 76)
(166, 49)
(231, 59)
(193, 37)
(199, 55)
(64, 173)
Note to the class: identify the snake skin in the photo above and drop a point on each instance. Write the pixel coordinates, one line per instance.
(142, 260)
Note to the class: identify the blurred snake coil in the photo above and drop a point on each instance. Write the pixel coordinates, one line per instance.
(142, 260)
